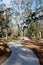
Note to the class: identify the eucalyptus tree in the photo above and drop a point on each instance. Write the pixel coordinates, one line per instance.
(21, 8)
(37, 16)
(2, 7)
(6, 13)
(41, 17)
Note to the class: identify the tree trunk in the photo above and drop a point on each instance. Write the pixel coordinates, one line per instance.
(40, 34)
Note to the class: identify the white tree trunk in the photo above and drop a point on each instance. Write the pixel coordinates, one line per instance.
(21, 21)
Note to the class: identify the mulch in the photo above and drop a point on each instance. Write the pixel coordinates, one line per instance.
(5, 52)
(36, 47)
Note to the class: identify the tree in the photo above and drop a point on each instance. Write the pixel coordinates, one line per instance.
(23, 9)
(33, 30)
(1, 22)
(6, 14)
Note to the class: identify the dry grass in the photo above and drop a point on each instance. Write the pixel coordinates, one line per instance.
(36, 47)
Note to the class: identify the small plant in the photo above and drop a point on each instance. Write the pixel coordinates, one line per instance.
(10, 39)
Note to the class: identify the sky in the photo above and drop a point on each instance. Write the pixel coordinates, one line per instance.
(7, 3)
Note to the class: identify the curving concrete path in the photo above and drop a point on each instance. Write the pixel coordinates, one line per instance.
(21, 55)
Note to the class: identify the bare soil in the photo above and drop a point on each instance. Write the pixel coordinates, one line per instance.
(37, 47)
(5, 52)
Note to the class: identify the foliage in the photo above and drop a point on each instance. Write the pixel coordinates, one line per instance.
(34, 30)
(25, 9)
(11, 39)
(5, 18)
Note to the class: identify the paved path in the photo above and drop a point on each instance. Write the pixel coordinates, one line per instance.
(21, 55)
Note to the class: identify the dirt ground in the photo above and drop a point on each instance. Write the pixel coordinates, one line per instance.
(36, 47)
(5, 52)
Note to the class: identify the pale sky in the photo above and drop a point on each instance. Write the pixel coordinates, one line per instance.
(6, 2)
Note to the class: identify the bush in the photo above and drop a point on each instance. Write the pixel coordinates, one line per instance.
(10, 39)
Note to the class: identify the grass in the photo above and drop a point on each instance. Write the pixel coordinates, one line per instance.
(11, 39)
